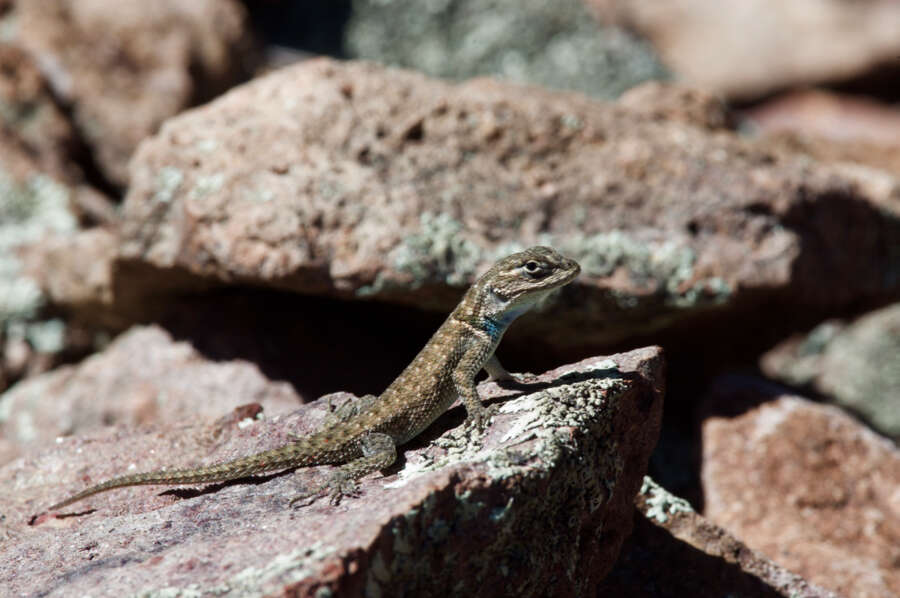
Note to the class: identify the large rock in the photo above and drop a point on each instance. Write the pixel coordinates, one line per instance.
(553, 44)
(143, 378)
(857, 365)
(127, 66)
(832, 127)
(674, 552)
(30, 119)
(42, 197)
(539, 505)
(33, 205)
(764, 45)
(357, 181)
(806, 485)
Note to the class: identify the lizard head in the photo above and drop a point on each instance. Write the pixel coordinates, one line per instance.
(515, 283)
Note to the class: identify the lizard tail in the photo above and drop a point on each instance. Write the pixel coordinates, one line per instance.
(273, 460)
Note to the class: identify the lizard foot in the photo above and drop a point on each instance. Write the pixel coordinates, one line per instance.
(480, 419)
(338, 486)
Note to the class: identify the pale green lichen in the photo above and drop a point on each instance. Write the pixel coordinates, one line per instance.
(558, 476)
(551, 44)
(661, 266)
(661, 503)
(437, 252)
(206, 185)
(206, 146)
(167, 182)
(47, 336)
(29, 210)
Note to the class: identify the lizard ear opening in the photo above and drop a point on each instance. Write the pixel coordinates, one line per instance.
(498, 298)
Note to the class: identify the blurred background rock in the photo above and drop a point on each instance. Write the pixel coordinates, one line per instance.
(726, 174)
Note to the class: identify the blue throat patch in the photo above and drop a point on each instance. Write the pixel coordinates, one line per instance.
(495, 327)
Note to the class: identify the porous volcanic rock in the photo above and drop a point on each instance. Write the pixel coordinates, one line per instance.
(358, 181)
(806, 485)
(127, 66)
(538, 505)
(763, 45)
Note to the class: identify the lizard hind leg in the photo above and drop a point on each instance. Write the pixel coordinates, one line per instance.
(379, 451)
(342, 413)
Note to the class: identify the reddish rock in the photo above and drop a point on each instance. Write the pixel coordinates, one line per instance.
(30, 118)
(675, 552)
(806, 485)
(667, 101)
(357, 181)
(538, 506)
(829, 115)
(74, 269)
(832, 127)
(143, 378)
(763, 45)
(126, 67)
(33, 206)
(857, 365)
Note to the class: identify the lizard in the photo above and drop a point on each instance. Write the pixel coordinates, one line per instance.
(364, 437)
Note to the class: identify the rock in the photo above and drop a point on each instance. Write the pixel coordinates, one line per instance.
(74, 269)
(832, 127)
(806, 485)
(30, 119)
(766, 45)
(673, 551)
(556, 45)
(143, 378)
(538, 506)
(829, 115)
(33, 205)
(856, 365)
(355, 181)
(126, 68)
(670, 102)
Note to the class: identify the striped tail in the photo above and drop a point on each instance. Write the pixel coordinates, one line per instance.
(273, 460)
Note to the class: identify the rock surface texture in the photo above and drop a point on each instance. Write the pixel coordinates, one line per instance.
(763, 45)
(31, 121)
(807, 486)
(357, 181)
(856, 365)
(554, 44)
(143, 378)
(832, 127)
(675, 552)
(537, 506)
(126, 70)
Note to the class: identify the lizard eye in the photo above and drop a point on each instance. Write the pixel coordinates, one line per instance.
(532, 267)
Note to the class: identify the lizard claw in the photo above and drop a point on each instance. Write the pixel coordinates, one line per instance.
(480, 418)
(341, 485)
(304, 498)
(525, 381)
(338, 486)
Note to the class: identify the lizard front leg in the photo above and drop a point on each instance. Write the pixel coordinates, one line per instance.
(497, 372)
(464, 383)
(378, 452)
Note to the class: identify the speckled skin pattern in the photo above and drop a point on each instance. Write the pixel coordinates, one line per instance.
(363, 437)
